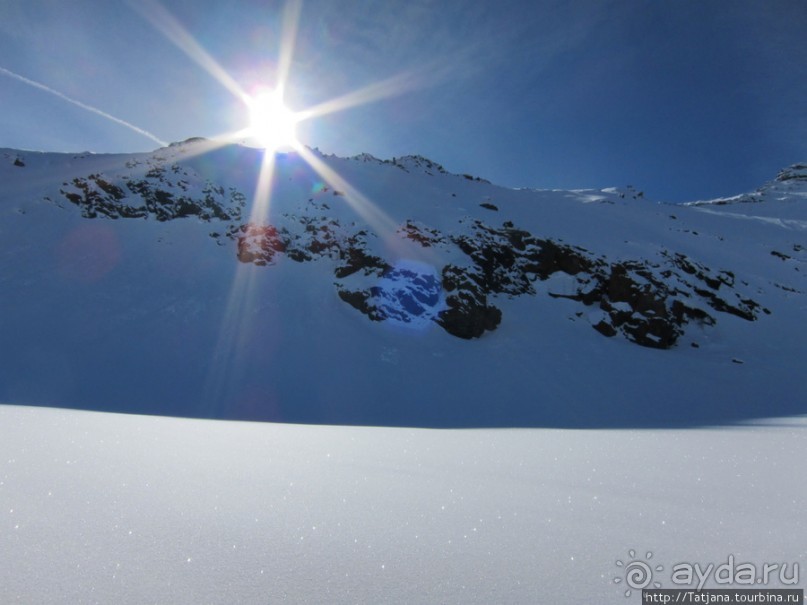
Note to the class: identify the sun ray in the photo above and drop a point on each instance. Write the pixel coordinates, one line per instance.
(381, 223)
(227, 364)
(159, 17)
(263, 190)
(358, 201)
(394, 86)
(235, 328)
(288, 37)
(384, 226)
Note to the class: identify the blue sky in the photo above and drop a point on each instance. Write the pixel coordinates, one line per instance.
(682, 99)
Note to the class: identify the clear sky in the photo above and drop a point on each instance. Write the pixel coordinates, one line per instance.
(684, 99)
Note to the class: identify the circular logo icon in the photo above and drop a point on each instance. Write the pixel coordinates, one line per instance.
(637, 573)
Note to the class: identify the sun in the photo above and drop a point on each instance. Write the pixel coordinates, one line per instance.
(271, 124)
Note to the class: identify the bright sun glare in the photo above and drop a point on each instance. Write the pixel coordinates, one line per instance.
(271, 123)
(273, 126)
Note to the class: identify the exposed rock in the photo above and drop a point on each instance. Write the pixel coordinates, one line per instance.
(412, 162)
(648, 303)
(354, 257)
(421, 234)
(151, 196)
(468, 314)
(638, 297)
(358, 300)
(796, 172)
(260, 243)
(605, 328)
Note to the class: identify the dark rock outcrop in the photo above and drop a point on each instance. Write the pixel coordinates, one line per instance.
(154, 196)
(648, 303)
(468, 314)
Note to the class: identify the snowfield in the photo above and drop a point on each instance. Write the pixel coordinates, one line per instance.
(107, 508)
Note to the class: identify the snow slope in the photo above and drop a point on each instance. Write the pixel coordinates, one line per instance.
(161, 283)
(389, 293)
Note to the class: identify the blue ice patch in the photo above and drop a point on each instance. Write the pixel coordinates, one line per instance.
(410, 294)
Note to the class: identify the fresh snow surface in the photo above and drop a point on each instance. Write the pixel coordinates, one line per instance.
(106, 508)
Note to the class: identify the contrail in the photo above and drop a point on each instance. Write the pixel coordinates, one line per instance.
(90, 108)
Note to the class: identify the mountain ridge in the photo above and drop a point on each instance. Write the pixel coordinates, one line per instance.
(411, 247)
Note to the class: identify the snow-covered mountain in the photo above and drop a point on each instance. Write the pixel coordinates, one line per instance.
(361, 291)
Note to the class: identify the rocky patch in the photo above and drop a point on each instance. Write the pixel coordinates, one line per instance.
(311, 239)
(259, 244)
(155, 195)
(421, 234)
(796, 172)
(648, 303)
(468, 314)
